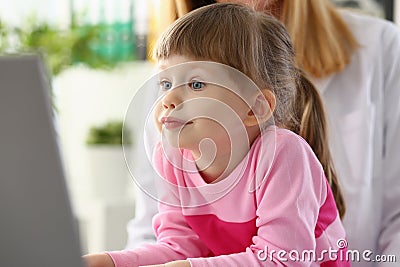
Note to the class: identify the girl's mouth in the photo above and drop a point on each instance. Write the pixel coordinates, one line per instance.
(173, 123)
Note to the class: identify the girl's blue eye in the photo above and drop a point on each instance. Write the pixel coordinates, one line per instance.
(196, 85)
(165, 85)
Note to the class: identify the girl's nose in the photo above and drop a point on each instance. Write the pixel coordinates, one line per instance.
(172, 99)
(167, 106)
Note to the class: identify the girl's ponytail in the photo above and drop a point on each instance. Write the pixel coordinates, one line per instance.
(313, 128)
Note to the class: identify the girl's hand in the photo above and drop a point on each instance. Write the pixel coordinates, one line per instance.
(185, 263)
(98, 260)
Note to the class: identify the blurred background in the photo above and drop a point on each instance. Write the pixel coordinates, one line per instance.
(96, 52)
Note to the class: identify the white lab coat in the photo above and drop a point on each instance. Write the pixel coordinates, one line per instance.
(363, 108)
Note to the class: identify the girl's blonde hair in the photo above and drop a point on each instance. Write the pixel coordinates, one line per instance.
(323, 42)
(259, 46)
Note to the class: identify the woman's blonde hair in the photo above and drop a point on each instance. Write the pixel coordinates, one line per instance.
(259, 46)
(323, 42)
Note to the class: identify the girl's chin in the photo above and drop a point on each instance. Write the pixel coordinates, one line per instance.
(174, 142)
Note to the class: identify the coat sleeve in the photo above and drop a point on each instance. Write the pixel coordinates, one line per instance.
(139, 228)
(389, 241)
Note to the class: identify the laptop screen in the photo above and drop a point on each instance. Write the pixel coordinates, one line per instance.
(36, 226)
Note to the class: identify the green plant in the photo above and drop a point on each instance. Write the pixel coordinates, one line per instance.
(55, 44)
(109, 133)
(103, 45)
(91, 45)
(3, 36)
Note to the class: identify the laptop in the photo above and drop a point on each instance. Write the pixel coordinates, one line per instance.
(37, 227)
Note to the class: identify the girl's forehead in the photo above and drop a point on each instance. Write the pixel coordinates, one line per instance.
(173, 60)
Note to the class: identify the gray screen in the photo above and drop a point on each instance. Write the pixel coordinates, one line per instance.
(36, 222)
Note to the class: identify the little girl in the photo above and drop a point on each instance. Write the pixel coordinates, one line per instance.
(285, 208)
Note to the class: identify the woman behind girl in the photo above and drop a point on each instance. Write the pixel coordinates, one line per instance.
(295, 208)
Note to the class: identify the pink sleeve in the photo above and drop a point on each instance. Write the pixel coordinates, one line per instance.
(288, 205)
(175, 239)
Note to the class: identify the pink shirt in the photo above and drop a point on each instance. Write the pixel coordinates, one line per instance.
(279, 211)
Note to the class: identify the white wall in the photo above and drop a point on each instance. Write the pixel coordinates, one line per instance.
(15, 12)
(84, 98)
(397, 11)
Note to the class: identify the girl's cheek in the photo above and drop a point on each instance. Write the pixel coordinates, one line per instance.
(157, 113)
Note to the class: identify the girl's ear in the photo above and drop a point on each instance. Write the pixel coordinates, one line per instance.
(262, 109)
